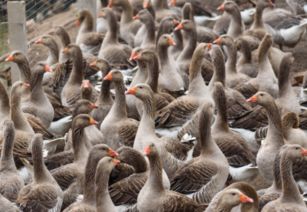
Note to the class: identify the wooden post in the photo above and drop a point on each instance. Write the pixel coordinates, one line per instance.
(90, 5)
(17, 31)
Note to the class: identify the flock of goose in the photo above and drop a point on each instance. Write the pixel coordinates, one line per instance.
(167, 107)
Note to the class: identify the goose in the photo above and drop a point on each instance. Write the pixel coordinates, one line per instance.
(117, 128)
(153, 197)
(204, 174)
(11, 182)
(8, 206)
(50, 43)
(43, 193)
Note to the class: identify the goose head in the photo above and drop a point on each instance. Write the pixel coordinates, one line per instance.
(144, 55)
(83, 120)
(186, 25)
(144, 16)
(114, 76)
(83, 106)
(20, 88)
(71, 51)
(228, 7)
(223, 40)
(166, 40)
(261, 98)
(46, 40)
(103, 150)
(100, 65)
(16, 57)
(141, 91)
(293, 151)
(82, 16)
(232, 197)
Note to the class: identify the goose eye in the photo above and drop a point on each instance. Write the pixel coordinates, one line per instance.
(297, 148)
(261, 94)
(233, 194)
(141, 87)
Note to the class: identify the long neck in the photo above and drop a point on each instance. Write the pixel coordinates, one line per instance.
(147, 123)
(127, 13)
(219, 67)
(235, 27)
(119, 104)
(284, 83)
(221, 105)
(53, 53)
(25, 71)
(80, 151)
(290, 192)
(105, 94)
(4, 101)
(17, 115)
(155, 173)
(112, 34)
(41, 173)
(277, 184)
(163, 53)
(89, 176)
(189, 48)
(7, 160)
(65, 39)
(232, 57)
(153, 74)
(102, 191)
(258, 23)
(76, 75)
(150, 31)
(196, 81)
(179, 40)
(88, 24)
(37, 90)
(275, 126)
(246, 52)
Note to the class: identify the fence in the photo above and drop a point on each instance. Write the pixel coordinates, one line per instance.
(23, 21)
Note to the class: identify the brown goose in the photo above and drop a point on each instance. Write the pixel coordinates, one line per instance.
(233, 78)
(115, 53)
(274, 139)
(103, 199)
(86, 180)
(227, 199)
(128, 27)
(88, 40)
(236, 26)
(150, 60)
(266, 79)
(227, 140)
(184, 58)
(170, 79)
(141, 74)
(72, 90)
(65, 175)
(104, 101)
(146, 131)
(117, 128)
(290, 198)
(149, 41)
(153, 196)
(161, 9)
(10, 181)
(4, 105)
(43, 193)
(207, 173)
(181, 110)
(38, 104)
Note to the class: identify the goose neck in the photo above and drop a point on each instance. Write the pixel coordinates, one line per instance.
(25, 71)
(153, 74)
(76, 75)
(232, 58)
(119, 104)
(155, 173)
(78, 142)
(112, 34)
(127, 14)
(191, 45)
(102, 191)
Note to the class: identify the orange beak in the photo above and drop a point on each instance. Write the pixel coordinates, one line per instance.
(145, 4)
(136, 17)
(39, 41)
(171, 41)
(93, 121)
(10, 58)
(131, 91)
(173, 3)
(179, 27)
(112, 153)
(304, 152)
(252, 99)
(209, 45)
(245, 199)
(218, 41)
(271, 3)
(221, 8)
(78, 23)
(108, 77)
(86, 84)
(47, 68)
(176, 22)
(110, 5)
(134, 56)
(65, 50)
(116, 162)
(27, 85)
(147, 150)
(93, 106)
(93, 64)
